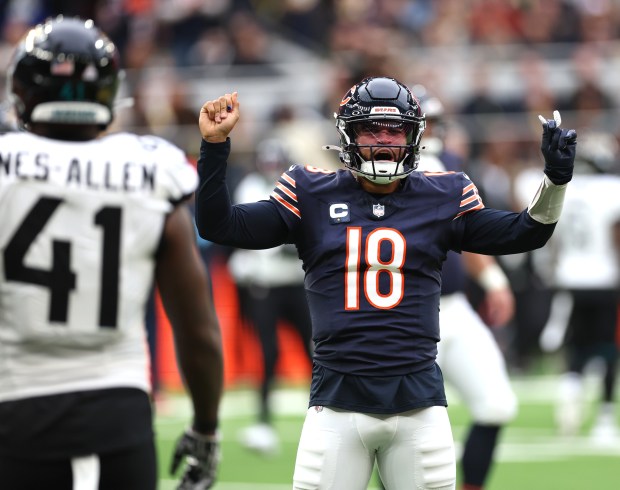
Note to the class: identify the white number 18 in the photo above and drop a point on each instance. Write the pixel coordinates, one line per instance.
(374, 268)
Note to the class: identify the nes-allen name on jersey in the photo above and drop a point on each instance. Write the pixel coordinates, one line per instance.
(92, 174)
(117, 163)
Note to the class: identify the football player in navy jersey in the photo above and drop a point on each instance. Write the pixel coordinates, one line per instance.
(372, 238)
(89, 221)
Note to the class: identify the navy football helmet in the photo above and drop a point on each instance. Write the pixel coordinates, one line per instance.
(380, 102)
(64, 71)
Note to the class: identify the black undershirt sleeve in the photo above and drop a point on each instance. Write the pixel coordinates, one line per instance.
(497, 232)
(254, 226)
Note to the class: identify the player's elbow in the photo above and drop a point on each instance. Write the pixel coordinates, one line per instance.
(201, 225)
(210, 231)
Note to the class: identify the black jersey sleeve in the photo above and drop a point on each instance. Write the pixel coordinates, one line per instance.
(254, 226)
(496, 232)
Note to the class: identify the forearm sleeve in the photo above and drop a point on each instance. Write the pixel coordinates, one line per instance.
(546, 206)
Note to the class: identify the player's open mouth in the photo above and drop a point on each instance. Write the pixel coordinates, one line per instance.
(385, 155)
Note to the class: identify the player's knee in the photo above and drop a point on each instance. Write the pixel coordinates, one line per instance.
(495, 410)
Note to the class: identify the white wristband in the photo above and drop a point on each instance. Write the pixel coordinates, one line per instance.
(546, 206)
(493, 278)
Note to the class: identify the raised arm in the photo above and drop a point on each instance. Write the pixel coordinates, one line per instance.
(495, 232)
(255, 225)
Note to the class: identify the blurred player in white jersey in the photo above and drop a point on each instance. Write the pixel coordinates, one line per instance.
(468, 355)
(587, 275)
(89, 221)
(271, 289)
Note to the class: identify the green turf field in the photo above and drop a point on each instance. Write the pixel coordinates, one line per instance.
(531, 456)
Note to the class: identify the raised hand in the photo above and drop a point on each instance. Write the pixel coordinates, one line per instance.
(218, 117)
(558, 147)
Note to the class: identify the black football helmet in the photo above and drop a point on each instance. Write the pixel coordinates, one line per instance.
(380, 101)
(64, 71)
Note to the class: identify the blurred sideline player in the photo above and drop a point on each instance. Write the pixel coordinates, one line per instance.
(271, 289)
(468, 355)
(89, 221)
(587, 280)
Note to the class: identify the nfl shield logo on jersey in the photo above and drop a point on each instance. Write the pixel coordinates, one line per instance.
(378, 210)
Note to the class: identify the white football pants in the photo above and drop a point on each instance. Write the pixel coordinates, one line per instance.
(337, 450)
(472, 363)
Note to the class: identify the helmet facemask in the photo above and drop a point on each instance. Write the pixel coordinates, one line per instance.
(380, 163)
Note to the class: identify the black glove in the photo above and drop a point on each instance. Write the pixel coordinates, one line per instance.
(558, 146)
(203, 457)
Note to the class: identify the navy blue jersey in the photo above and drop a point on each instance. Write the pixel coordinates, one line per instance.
(373, 263)
(372, 266)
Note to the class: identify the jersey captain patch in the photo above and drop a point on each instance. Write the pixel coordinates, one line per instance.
(339, 213)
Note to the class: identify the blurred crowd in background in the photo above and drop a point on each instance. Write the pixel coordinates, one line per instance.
(494, 64)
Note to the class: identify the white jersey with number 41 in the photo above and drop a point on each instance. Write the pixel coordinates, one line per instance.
(81, 224)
